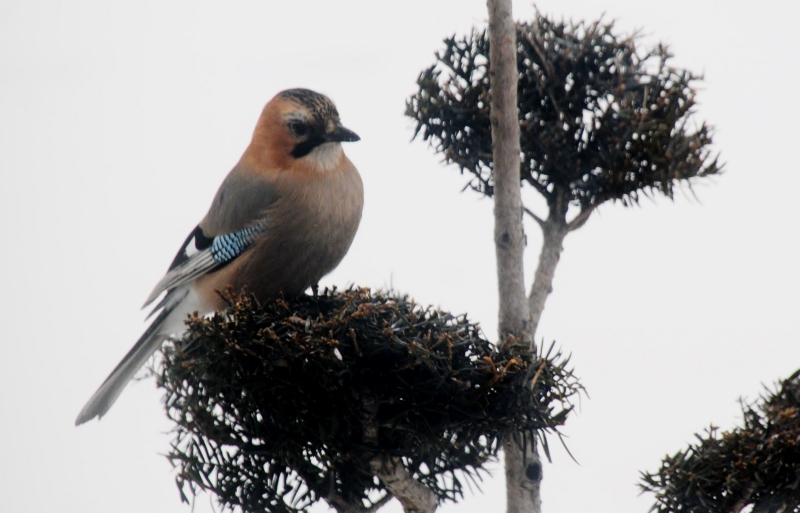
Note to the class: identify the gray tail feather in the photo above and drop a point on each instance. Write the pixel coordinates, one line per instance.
(144, 348)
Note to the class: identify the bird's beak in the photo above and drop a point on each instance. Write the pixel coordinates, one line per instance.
(342, 134)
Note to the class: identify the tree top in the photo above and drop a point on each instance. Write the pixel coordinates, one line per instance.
(600, 119)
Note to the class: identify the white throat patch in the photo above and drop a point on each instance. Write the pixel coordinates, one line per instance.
(325, 156)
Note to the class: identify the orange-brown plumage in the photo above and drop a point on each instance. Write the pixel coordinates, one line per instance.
(269, 151)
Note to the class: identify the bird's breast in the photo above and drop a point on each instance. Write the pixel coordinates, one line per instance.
(310, 229)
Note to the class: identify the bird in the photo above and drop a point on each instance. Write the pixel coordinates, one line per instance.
(283, 218)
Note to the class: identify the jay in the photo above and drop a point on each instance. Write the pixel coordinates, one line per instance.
(283, 218)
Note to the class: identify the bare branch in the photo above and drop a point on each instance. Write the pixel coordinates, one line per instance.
(581, 218)
(379, 504)
(534, 216)
(554, 232)
(413, 495)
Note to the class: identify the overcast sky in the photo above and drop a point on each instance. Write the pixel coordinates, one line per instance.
(118, 121)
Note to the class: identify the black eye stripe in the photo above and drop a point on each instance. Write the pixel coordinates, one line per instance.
(305, 147)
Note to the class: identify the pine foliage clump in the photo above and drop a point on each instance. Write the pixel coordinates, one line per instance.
(279, 405)
(757, 464)
(599, 119)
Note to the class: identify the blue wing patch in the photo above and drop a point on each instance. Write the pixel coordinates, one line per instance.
(226, 247)
(202, 255)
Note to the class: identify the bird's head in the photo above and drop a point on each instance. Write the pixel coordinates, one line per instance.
(301, 125)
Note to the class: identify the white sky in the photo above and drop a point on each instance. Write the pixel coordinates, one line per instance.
(119, 120)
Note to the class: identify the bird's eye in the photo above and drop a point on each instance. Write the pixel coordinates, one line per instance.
(298, 128)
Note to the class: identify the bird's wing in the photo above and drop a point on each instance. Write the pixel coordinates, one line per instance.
(238, 216)
(201, 255)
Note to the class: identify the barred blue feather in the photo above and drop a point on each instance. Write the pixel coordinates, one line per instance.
(227, 247)
(213, 254)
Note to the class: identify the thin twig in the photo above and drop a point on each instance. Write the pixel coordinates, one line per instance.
(534, 216)
(542, 362)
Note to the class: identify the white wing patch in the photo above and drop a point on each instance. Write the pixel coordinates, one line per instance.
(191, 248)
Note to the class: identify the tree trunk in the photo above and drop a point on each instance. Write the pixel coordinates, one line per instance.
(522, 489)
(523, 478)
(509, 237)
(524, 468)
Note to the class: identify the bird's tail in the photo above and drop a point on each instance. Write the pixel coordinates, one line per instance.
(168, 321)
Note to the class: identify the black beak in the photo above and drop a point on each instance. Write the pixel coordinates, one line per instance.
(342, 134)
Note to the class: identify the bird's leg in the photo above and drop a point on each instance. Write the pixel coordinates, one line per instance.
(315, 289)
